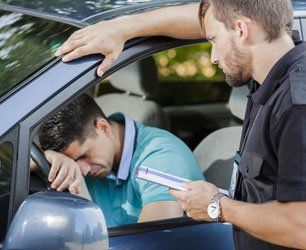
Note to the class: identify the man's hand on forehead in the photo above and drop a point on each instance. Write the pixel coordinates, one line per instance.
(65, 172)
(84, 166)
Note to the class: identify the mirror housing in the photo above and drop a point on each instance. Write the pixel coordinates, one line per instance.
(57, 220)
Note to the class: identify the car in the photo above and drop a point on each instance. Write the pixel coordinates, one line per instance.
(35, 85)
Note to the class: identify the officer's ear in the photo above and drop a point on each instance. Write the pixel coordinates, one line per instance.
(242, 31)
(248, 32)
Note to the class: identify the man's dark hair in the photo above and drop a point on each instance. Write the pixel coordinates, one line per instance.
(275, 16)
(76, 121)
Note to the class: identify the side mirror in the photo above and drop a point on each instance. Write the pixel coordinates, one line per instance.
(57, 220)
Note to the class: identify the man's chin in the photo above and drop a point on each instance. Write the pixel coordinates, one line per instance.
(236, 83)
(100, 176)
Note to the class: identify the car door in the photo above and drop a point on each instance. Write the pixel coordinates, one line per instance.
(180, 233)
(76, 78)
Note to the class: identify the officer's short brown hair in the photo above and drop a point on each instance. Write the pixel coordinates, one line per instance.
(275, 16)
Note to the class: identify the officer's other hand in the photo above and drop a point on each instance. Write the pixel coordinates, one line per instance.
(106, 38)
(64, 173)
(195, 200)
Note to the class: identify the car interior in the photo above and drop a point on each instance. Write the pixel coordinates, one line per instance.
(203, 112)
(211, 129)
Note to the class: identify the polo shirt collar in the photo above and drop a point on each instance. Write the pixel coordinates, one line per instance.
(128, 147)
(278, 71)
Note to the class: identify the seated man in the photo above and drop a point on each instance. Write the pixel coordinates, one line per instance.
(108, 151)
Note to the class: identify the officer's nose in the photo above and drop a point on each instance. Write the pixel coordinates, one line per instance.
(214, 59)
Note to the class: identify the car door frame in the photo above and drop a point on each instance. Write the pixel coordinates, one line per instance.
(81, 76)
(77, 86)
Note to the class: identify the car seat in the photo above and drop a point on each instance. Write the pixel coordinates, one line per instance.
(216, 152)
(139, 83)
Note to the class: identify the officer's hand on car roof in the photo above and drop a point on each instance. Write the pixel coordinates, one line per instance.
(106, 38)
(65, 172)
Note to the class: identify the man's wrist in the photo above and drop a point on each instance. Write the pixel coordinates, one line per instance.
(214, 207)
(134, 29)
(225, 203)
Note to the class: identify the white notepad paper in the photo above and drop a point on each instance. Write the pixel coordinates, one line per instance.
(162, 178)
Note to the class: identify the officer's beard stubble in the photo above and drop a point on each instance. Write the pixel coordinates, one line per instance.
(238, 70)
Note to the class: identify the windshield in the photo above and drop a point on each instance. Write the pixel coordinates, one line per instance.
(26, 44)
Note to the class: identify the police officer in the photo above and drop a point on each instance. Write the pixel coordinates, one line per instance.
(251, 42)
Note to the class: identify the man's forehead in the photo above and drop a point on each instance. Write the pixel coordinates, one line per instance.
(211, 24)
(74, 149)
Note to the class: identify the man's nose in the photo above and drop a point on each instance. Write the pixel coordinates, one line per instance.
(214, 59)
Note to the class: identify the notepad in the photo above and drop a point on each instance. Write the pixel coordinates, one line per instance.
(164, 179)
(161, 178)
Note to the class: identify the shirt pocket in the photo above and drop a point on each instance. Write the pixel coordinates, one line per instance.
(250, 164)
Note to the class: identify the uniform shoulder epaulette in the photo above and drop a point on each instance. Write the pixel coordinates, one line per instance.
(297, 79)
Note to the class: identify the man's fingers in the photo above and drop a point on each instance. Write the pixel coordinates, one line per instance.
(193, 184)
(60, 177)
(75, 187)
(106, 64)
(71, 45)
(67, 180)
(53, 171)
(76, 53)
(77, 33)
(78, 190)
(179, 195)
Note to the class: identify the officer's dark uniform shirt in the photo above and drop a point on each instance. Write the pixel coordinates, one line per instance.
(273, 157)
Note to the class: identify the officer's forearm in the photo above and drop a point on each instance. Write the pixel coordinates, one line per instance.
(278, 223)
(179, 22)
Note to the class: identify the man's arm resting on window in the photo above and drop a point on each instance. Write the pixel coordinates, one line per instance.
(160, 210)
(279, 223)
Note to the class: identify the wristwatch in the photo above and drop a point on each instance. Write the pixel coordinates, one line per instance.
(214, 207)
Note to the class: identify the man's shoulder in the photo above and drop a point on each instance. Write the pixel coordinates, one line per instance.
(154, 136)
(297, 83)
(290, 94)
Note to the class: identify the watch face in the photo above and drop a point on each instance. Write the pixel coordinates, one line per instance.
(213, 210)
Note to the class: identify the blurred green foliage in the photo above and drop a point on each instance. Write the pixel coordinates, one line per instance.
(188, 71)
(190, 63)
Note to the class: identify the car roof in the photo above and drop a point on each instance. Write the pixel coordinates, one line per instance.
(82, 13)
(44, 9)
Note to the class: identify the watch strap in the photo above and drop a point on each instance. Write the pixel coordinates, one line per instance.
(216, 199)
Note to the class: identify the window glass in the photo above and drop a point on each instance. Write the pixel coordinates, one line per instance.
(6, 164)
(190, 72)
(26, 44)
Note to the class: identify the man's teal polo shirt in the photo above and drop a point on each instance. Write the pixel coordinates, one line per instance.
(122, 197)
